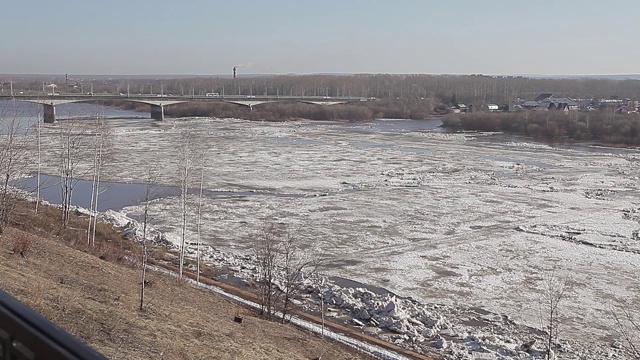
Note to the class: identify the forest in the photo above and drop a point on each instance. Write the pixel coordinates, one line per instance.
(469, 89)
(601, 126)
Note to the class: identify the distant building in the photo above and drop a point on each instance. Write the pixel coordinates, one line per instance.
(493, 107)
(564, 104)
(547, 101)
(626, 109)
(459, 108)
(542, 97)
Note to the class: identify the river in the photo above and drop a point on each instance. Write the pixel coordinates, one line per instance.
(463, 219)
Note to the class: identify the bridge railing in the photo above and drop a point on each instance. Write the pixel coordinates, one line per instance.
(84, 97)
(26, 335)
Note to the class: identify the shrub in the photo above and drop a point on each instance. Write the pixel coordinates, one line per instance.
(21, 244)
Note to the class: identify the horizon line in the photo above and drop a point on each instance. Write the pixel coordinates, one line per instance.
(184, 75)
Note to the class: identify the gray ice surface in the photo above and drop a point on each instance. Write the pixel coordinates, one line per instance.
(471, 220)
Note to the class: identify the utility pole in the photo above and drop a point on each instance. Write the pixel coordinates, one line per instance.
(128, 90)
(11, 82)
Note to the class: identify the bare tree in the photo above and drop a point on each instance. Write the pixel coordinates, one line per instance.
(101, 150)
(149, 191)
(296, 266)
(267, 248)
(628, 326)
(72, 144)
(39, 140)
(322, 282)
(12, 156)
(185, 157)
(199, 226)
(282, 268)
(554, 292)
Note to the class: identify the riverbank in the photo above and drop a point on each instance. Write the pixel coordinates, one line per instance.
(92, 292)
(605, 127)
(405, 108)
(449, 331)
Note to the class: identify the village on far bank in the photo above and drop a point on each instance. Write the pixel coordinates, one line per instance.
(548, 101)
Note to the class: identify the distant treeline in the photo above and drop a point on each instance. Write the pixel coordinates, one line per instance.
(602, 126)
(468, 89)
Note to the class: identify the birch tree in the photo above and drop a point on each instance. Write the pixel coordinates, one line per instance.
(72, 145)
(12, 156)
(149, 193)
(101, 147)
(184, 172)
(39, 150)
(296, 266)
(199, 229)
(282, 267)
(554, 291)
(267, 248)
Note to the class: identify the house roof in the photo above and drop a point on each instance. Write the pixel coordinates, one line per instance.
(627, 108)
(567, 101)
(543, 96)
(530, 103)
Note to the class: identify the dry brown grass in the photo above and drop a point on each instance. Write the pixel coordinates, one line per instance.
(97, 300)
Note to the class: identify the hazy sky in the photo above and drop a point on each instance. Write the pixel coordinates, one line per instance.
(319, 36)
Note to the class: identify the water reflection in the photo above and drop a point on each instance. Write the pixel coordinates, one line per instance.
(27, 115)
(118, 195)
(113, 195)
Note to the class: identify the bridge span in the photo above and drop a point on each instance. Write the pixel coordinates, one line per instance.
(158, 102)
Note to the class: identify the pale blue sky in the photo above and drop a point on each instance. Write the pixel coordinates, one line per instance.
(323, 36)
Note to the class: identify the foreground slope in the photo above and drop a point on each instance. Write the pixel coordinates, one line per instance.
(97, 301)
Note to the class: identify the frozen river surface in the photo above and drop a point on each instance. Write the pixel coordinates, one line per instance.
(460, 219)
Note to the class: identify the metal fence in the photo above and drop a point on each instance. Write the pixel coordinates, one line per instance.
(26, 335)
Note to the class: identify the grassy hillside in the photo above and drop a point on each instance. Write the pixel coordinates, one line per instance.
(92, 292)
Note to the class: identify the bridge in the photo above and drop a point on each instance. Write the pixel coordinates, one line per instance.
(158, 102)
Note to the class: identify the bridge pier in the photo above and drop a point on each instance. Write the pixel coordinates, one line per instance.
(49, 113)
(157, 112)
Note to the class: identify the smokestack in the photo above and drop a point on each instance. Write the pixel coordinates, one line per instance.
(234, 71)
